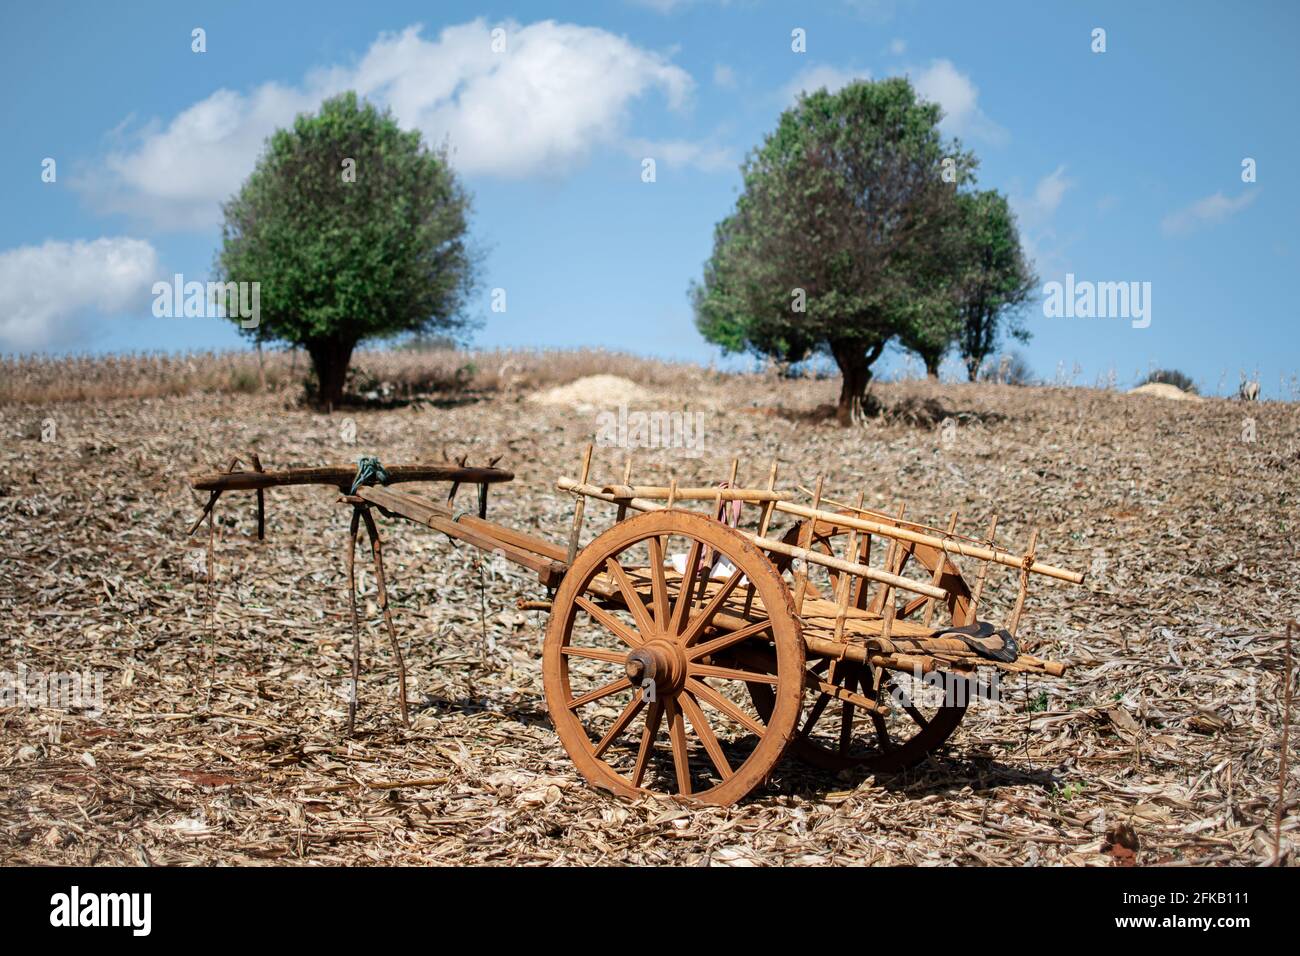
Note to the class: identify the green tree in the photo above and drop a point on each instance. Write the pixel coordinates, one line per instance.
(840, 239)
(354, 230)
(996, 278)
(930, 334)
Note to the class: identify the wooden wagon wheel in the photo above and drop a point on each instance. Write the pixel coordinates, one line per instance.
(838, 735)
(625, 640)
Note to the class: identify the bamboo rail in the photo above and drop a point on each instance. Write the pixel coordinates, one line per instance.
(780, 547)
(1004, 558)
(695, 494)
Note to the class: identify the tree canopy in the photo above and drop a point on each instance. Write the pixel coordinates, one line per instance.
(849, 233)
(996, 278)
(354, 230)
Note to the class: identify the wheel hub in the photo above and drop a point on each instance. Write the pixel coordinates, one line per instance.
(661, 661)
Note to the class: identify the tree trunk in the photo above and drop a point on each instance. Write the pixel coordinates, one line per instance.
(853, 391)
(330, 360)
(854, 360)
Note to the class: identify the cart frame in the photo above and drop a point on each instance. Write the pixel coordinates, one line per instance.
(741, 615)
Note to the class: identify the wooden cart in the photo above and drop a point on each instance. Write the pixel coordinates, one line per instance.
(689, 647)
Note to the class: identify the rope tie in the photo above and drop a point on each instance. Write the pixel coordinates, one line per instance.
(369, 472)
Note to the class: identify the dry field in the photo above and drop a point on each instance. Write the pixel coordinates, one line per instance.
(221, 733)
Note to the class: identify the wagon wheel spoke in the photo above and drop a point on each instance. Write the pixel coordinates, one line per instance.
(707, 737)
(846, 715)
(609, 622)
(887, 686)
(652, 720)
(677, 737)
(704, 692)
(682, 607)
(630, 597)
(727, 640)
(629, 713)
(600, 693)
(705, 617)
(732, 673)
(916, 715)
(871, 690)
(659, 582)
(846, 727)
(595, 654)
(815, 714)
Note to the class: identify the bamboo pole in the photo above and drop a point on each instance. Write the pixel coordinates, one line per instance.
(694, 494)
(805, 542)
(956, 547)
(1024, 584)
(938, 573)
(780, 547)
(878, 602)
(885, 516)
(578, 507)
(894, 563)
(845, 582)
(766, 519)
(627, 480)
(983, 573)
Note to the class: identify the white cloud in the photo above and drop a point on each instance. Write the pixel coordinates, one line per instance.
(1041, 205)
(814, 78)
(941, 82)
(724, 76)
(1207, 211)
(682, 153)
(1051, 189)
(897, 46)
(1035, 213)
(540, 107)
(47, 290)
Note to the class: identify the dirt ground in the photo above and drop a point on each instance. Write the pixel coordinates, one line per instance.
(1169, 720)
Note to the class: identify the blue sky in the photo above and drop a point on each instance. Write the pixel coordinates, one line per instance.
(1123, 166)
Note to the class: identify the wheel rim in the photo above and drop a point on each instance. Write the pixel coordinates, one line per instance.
(634, 684)
(836, 735)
